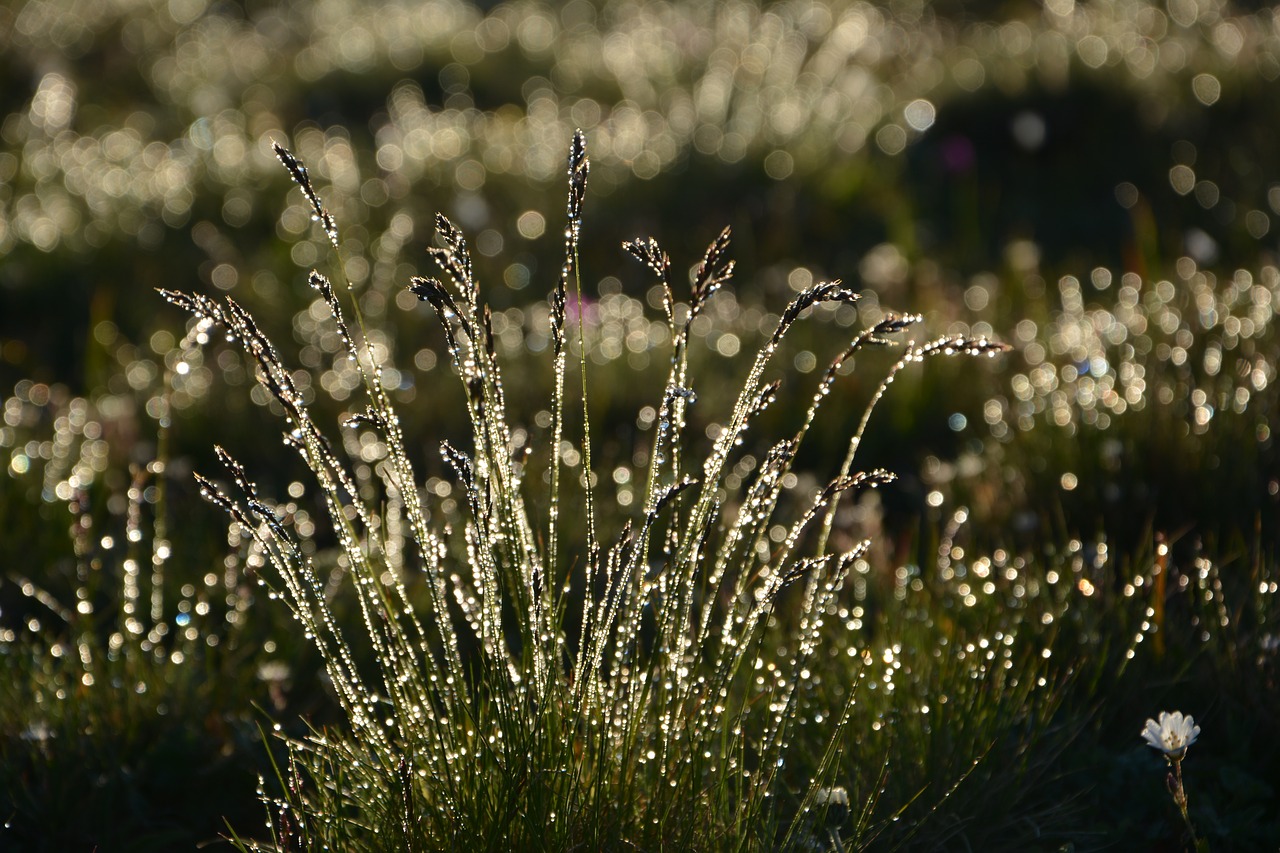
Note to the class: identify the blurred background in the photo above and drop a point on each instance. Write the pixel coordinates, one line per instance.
(1093, 183)
(1096, 184)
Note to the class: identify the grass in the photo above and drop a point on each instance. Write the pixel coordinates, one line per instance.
(127, 716)
(1083, 535)
(650, 696)
(522, 684)
(517, 659)
(149, 755)
(514, 658)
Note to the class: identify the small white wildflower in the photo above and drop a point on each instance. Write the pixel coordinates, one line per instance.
(831, 796)
(1172, 734)
(835, 801)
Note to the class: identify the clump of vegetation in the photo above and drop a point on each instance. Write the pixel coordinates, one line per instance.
(519, 678)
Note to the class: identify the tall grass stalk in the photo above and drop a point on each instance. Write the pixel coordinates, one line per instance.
(481, 714)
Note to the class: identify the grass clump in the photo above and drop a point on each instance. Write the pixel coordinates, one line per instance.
(521, 679)
(126, 674)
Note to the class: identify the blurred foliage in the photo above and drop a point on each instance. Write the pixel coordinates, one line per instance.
(919, 150)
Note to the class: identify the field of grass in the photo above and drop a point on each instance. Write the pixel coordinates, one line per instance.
(537, 525)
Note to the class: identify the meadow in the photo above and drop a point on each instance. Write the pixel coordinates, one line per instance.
(634, 425)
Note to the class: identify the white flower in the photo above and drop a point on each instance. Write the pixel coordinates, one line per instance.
(1172, 734)
(831, 797)
(836, 803)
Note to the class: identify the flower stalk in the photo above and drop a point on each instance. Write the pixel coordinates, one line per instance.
(1173, 734)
